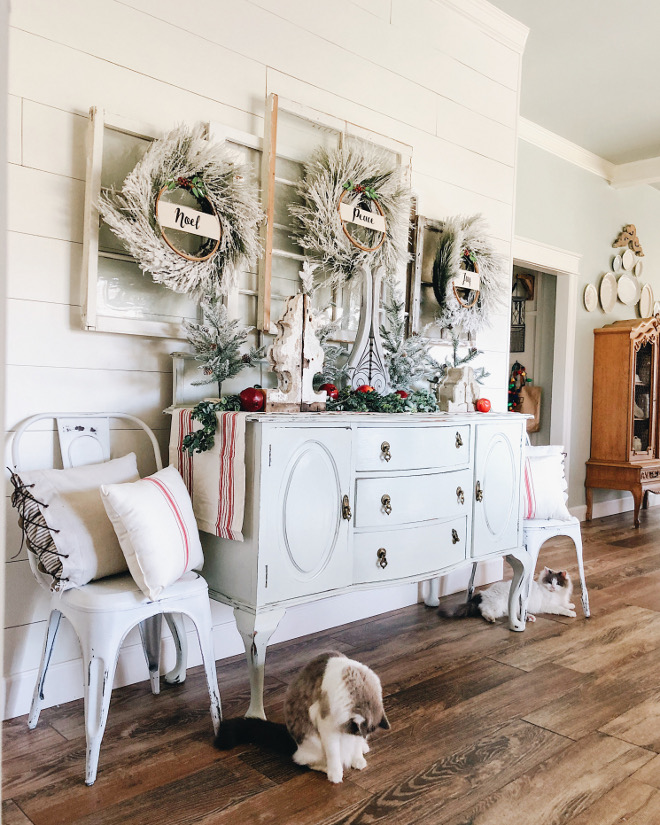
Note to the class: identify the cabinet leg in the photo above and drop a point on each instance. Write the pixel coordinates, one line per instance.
(521, 564)
(431, 590)
(256, 630)
(637, 497)
(590, 502)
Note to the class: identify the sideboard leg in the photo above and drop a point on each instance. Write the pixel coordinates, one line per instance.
(431, 592)
(637, 501)
(256, 630)
(521, 563)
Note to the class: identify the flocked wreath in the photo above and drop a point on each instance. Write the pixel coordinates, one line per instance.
(464, 245)
(329, 175)
(208, 170)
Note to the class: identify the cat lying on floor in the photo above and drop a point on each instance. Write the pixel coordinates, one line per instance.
(330, 708)
(551, 593)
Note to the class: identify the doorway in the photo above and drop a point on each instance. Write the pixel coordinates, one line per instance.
(534, 296)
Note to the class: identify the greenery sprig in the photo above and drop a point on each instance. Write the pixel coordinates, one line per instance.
(205, 412)
(195, 185)
(355, 401)
(368, 191)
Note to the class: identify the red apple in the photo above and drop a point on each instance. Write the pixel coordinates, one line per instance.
(483, 405)
(402, 393)
(252, 399)
(365, 388)
(333, 392)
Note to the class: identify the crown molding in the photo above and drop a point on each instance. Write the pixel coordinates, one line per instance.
(562, 148)
(493, 21)
(636, 173)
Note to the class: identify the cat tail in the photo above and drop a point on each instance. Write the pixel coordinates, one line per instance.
(465, 610)
(241, 731)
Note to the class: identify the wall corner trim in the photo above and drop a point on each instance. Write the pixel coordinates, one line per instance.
(493, 21)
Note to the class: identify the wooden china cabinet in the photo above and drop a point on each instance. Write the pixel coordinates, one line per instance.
(625, 453)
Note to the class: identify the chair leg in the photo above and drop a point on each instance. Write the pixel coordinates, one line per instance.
(533, 543)
(150, 634)
(470, 587)
(177, 675)
(201, 616)
(577, 540)
(49, 642)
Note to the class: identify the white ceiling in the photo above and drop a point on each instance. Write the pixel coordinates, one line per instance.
(591, 73)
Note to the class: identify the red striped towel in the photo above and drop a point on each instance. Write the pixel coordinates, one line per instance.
(215, 479)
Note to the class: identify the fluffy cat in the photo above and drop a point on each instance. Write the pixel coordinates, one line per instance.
(551, 593)
(330, 708)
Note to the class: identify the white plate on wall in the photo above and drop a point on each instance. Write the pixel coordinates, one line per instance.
(628, 259)
(608, 292)
(628, 289)
(639, 268)
(646, 301)
(590, 298)
(616, 263)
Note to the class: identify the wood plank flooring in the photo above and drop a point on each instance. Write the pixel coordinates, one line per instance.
(559, 725)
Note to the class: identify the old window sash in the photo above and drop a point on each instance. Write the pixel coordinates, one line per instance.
(291, 133)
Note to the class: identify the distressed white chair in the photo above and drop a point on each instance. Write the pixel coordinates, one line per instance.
(104, 611)
(535, 533)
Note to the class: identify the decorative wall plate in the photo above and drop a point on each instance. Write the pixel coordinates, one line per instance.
(639, 268)
(646, 301)
(628, 289)
(628, 259)
(590, 298)
(608, 292)
(616, 263)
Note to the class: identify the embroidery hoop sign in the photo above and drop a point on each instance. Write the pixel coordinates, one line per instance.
(466, 285)
(182, 225)
(353, 208)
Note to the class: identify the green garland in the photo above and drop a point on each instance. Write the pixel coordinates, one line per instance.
(205, 412)
(354, 401)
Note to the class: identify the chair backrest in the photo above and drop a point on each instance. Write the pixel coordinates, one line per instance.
(84, 438)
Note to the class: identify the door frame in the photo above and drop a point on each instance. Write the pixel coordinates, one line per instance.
(565, 266)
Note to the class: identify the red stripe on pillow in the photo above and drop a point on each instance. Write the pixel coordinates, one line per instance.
(530, 510)
(178, 517)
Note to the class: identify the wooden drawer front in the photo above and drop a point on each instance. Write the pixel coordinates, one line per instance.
(408, 552)
(412, 448)
(412, 498)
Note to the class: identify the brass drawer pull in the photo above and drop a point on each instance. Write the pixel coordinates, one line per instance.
(479, 493)
(385, 450)
(454, 537)
(386, 501)
(460, 495)
(382, 557)
(346, 509)
(459, 440)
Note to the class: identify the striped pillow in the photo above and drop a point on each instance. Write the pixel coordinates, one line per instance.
(544, 489)
(156, 528)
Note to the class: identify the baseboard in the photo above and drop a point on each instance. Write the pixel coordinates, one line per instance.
(611, 507)
(64, 682)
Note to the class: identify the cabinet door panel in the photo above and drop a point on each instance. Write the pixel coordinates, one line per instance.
(304, 542)
(497, 496)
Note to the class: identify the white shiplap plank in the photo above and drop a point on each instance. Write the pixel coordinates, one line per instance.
(35, 389)
(13, 549)
(379, 8)
(474, 131)
(53, 140)
(43, 268)
(14, 105)
(23, 645)
(117, 33)
(25, 601)
(45, 204)
(69, 344)
(495, 336)
(76, 81)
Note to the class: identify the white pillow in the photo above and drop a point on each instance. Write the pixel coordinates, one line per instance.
(71, 507)
(156, 528)
(544, 484)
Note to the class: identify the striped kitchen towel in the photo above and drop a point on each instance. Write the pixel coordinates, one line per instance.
(215, 479)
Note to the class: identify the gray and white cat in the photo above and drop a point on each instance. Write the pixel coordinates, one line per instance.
(551, 593)
(330, 708)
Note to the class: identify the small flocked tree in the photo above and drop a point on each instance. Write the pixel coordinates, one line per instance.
(218, 343)
(408, 359)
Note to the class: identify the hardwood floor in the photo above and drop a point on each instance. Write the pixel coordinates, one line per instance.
(557, 725)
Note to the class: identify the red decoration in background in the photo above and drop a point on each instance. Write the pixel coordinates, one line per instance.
(332, 391)
(402, 393)
(483, 405)
(252, 399)
(364, 388)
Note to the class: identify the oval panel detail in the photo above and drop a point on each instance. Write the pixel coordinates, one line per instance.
(499, 485)
(311, 508)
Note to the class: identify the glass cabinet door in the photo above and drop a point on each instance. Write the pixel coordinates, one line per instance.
(644, 425)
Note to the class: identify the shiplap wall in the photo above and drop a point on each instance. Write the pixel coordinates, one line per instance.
(440, 75)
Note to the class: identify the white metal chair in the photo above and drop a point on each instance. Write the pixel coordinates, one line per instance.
(103, 612)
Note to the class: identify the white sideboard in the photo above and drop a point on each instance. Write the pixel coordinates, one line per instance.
(344, 501)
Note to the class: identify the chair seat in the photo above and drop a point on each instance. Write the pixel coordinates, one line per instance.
(549, 523)
(121, 593)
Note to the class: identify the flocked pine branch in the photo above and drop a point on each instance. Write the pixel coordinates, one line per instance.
(218, 343)
(459, 361)
(335, 361)
(408, 359)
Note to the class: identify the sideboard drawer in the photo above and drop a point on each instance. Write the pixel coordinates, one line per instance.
(412, 448)
(390, 500)
(395, 554)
